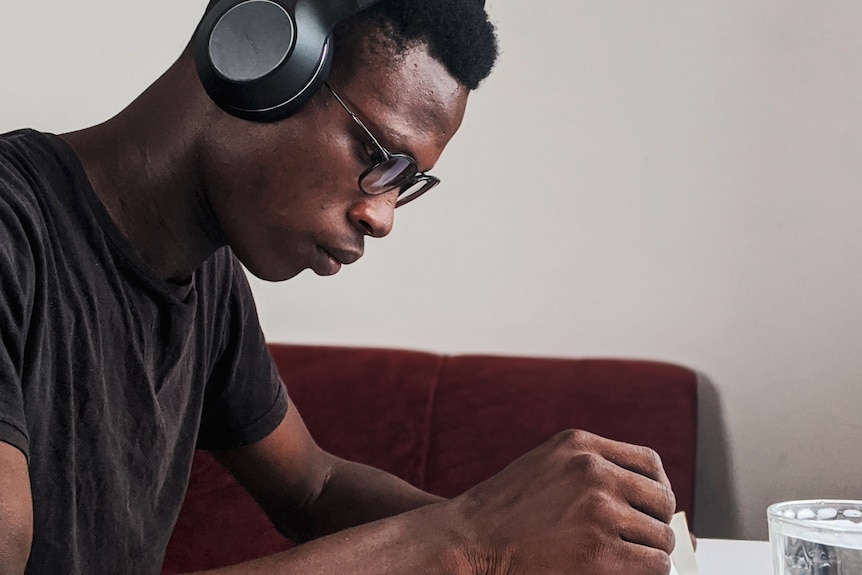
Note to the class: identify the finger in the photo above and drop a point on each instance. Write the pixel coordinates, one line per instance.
(641, 560)
(636, 458)
(646, 531)
(644, 461)
(650, 497)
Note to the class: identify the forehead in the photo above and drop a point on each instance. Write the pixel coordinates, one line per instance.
(409, 101)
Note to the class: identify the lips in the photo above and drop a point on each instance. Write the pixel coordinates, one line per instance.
(329, 261)
(345, 257)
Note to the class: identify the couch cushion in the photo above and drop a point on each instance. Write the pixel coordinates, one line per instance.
(365, 405)
(490, 410)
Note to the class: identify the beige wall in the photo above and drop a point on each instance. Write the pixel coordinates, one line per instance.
(666, 179)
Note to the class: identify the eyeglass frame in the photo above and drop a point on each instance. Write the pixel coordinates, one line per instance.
(429, 180)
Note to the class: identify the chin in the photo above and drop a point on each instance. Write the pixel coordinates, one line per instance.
(276, 277)
(271, 273)
(268, 266)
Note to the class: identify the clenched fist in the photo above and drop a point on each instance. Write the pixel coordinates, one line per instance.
(579, 504)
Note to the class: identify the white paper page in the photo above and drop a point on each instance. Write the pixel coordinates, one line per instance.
(682, 559)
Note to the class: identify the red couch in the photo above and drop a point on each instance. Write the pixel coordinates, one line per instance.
(443, 423)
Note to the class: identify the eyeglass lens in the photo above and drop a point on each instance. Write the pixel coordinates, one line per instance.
(393, 172)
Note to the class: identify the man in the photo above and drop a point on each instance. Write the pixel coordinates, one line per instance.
(130, 335)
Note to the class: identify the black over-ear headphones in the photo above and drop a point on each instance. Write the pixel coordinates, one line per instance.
(262, 59)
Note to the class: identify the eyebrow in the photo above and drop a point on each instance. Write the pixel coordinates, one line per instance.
(399, 136)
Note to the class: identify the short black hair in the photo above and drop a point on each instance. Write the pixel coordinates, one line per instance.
(457, 33)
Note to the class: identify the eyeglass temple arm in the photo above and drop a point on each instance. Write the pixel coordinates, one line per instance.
(356, 119)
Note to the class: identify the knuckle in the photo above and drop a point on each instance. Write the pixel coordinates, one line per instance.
(653, 561)
(668, 500)
(599, 505)
(667, 539)
(652, 458)
(575, 438)
(661, 563)
(588, 467)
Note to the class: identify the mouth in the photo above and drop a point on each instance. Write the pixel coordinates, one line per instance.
(330, 261)
(345, 257)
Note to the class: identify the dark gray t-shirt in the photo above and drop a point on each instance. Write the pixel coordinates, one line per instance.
(109, 376)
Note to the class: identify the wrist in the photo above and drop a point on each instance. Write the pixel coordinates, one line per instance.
(469, 550)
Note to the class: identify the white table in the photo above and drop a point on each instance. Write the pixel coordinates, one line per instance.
(732, 557)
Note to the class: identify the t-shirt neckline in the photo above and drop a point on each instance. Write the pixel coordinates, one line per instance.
(122, 246)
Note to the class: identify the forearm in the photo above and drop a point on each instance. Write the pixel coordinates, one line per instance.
(354, 494)
(309, 493)
(420, 541)
(16, 511)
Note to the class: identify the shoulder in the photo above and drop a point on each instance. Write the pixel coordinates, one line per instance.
(25, 154)
(31, 163)
(20, 216)
(16, 169)
(22, 221)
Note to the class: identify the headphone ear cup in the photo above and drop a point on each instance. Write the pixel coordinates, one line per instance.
(261, 60)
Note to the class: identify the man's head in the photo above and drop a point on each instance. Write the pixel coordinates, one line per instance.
(287, 195)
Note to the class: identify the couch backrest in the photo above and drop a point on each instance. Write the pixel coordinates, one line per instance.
(443, 423)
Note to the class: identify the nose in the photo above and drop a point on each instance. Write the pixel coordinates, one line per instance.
(374, 215)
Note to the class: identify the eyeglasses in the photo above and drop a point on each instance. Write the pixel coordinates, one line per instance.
(390, 171)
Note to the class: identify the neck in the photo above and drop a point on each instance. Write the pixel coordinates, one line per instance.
(142, 166)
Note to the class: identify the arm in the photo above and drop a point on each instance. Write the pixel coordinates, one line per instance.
(578, 500)
(419, 541)
(16, 511)
(308, 493)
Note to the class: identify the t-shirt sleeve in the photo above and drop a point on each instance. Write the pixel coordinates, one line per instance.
(17, 285)
(245, 399)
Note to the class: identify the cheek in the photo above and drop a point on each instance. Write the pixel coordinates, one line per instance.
(298, 196)
(282, 182)
(290, 203)
(316, 169)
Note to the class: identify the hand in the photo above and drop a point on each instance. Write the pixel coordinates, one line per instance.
(580, 504)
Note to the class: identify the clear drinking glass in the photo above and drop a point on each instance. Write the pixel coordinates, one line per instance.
(816, 537)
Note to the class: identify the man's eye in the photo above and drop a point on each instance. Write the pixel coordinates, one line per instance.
(365, 153)
(373, 153)
(376, 155)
